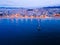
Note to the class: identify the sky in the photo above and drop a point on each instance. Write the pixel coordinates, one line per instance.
(29, 3)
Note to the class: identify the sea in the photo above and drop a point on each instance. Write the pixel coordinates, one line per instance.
(30, 31)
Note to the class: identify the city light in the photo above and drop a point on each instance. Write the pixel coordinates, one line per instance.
(23, 13)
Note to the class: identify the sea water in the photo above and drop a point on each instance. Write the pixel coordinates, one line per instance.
(29, 31)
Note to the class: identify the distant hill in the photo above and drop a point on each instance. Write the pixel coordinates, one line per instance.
(52, 7)
(28, 8)
(11, 8)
